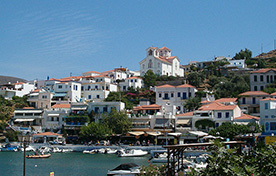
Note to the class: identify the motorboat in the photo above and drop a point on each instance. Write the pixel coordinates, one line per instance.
(129, 169)
(111, 151)
(38, 156)
(9, 148)
(132, 152)
(88, 152)
(44, 149)
(102, 151)
(161, 158)
(56, 150)
(67, 150)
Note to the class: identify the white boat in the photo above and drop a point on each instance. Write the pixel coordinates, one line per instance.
(102, 151)
(44, 149)
(28, 149)
(67, 150)
(111, 151)
(88, 152)
(127, 169)
(132, 152)
(57, 150)
(161, 158)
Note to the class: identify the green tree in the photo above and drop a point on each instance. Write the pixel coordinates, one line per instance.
(117, 121)
(261, 63)
(243, 54)
(149, 79)
(192, 103)
(195, 78)
(95, 131)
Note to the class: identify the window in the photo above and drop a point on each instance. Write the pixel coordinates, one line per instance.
(60, 86)
(266, 117)
(219, 114)
(272, 125)
(178, 94)
(266, 126)
(150, 64)
(227, 114)
(81, 88)
(261, 78)
(104, 109)
(255, 88)
(184, 95)
(97, 109)
(254, 100)
(243, 100)
(89, 97)
(150, 52)
(160, 95)
(98, 96)
(266, 105)
(166, 96)
(96, 87)
(171, 94)
(255, 78)
(217, 124)
(131, 80)
(89, 87)
(76, 88)
(272, 116)
(262, 87)
(267, 78)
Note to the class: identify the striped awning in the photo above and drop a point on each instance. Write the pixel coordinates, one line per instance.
(183, 121)
(136, 133)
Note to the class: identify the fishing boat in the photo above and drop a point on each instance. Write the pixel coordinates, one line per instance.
(129, 169)
(38, 156)
(132, 152)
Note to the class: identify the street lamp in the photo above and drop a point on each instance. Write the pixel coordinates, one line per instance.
(25, 139)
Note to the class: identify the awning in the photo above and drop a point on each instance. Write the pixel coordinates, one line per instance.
(241, 123)
(53, 115)
(34, 94)
(24, 120)
(157, 133)
(136, 133)
(183, 121)
(78, 108)
(174, 134)
(146, 122)
(60, 94)
(198, 133)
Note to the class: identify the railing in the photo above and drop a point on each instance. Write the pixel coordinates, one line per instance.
(74, 123)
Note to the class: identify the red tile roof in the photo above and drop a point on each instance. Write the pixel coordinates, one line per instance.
(252, 93)
(224, 100)
(217, 106)
(165, 86)
(185, 85)
(47, 134)
(273, 94)
(28, 108)
(273, 99)
(247, 117)
(61, 106)
(91, 72)
(134, 77)
(264, 70)
(165, 48)
(185, 114)
(147, 107)
(19, 83)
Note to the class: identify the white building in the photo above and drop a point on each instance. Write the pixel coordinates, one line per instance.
(41, 98)
(172, 98)
(268, 114)
(134, 82)
(261, 78)
(17, 89)
(161, 62)
(236, 63)
(97, 88)
(99, 108)
(70, 91)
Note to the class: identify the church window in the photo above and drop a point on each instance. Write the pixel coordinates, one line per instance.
(150, 52)
(150, 64)
(143, 66)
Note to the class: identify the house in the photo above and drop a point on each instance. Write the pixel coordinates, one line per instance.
(183, 122)
(172, 98)
(249, 102)
(161, 62)
(41, 98)
(268, 114)
(132, 82)
(245, 119)
(97, 88)
(261, 78)
(16, 89)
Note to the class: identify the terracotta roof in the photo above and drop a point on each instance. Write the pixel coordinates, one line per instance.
(28, 108)
(19, 83)
(217, 106)
(47, 134)
(204, 102)
(134, 77)
(91, 72)
(36, 90)
(61, 106)
(273, 94)
(247, 117)
(71, 78)
(251, 93)
(147, 107)
(101, 76)
(165, 86)
(186, 114)
(106, 72)
(165, 48)
(163, 59)
(264, 70)
(185, 85)
(273, 99)
(224, 100)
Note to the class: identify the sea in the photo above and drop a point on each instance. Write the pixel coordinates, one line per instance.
(67, 164)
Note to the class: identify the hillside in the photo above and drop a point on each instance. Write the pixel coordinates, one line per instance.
(7, 79)
(270, 54)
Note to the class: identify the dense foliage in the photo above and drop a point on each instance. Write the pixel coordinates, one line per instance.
(228, 162)
(243, 54)
(149, 79)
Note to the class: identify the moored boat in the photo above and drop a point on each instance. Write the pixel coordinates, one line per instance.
(38, 156)
(132, 152)
(130, 169)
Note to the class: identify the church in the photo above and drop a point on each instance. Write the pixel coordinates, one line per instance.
(161, 62)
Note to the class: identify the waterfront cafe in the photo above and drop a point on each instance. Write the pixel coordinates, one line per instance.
(48, 137)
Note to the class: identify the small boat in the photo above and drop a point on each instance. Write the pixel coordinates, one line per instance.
(38, 156)
(129, 169)
(67, 150)
(56, 150)
(111, 151)
(160, 158)
(88, 152)
(44, 149)
(132, 152)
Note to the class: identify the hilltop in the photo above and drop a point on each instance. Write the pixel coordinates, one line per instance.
(10, 79)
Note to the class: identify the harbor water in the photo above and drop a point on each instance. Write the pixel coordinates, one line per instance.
(64, 164)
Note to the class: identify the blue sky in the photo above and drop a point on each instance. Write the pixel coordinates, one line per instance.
(54, 37)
